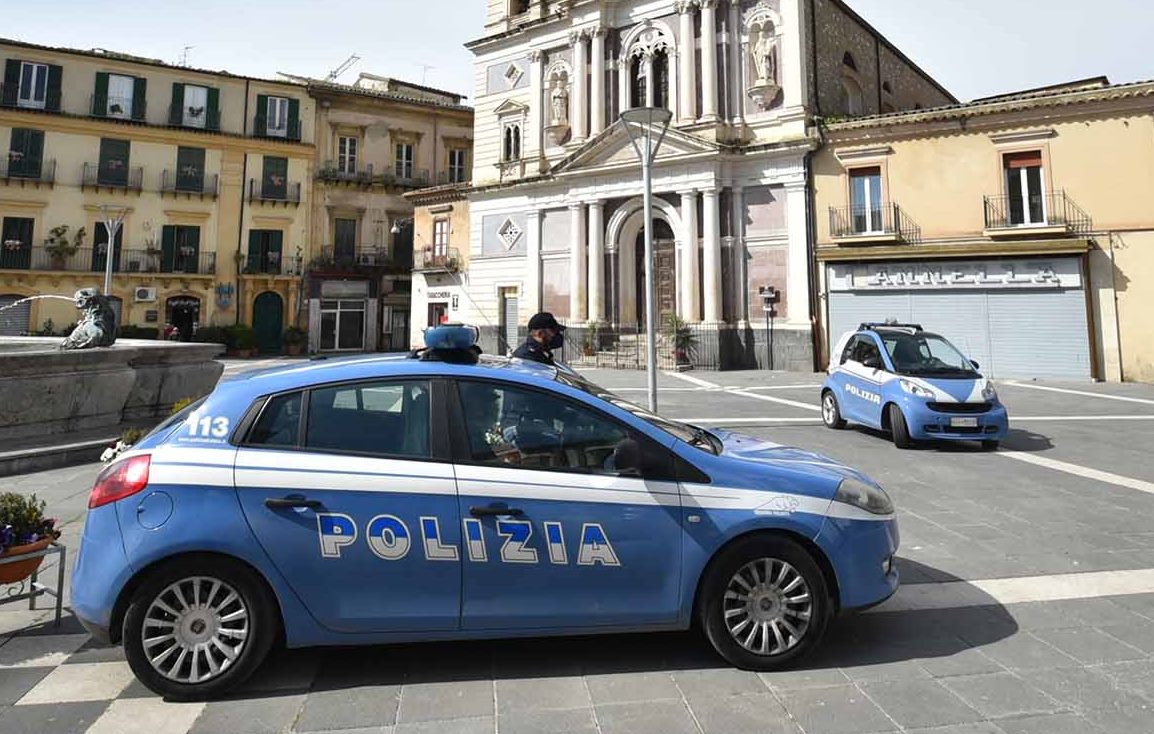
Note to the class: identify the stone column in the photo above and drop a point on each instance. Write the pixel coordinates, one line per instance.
(580, 96)
(531, 292)
(687, 92)
(577, 264)
(687, 276)
(797, 283)
(597, 262)
(741, 280)
(708, 60)
(538, 117)
(597, 82)
(711, 263)
(736, 79)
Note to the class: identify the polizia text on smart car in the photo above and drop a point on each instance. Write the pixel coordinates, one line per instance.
(447, 496)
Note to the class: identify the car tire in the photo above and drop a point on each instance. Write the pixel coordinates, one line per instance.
(899, 428)
(990, 445)
(783, 627)
(225, 616)
(831, 411)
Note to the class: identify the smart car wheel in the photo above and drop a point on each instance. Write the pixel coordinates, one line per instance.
(764, 603)
(831, 411)
(197, 629)
(899, 429)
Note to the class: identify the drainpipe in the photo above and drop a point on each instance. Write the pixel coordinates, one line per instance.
(240, 219)
(811, 260)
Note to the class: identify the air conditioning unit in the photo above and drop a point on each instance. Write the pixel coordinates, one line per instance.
(145, 295)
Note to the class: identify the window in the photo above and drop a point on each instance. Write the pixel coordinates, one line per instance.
(276, 114)
(347, 154)
(511, 149)
(852, 101)
(386, 418)
(848, 61)
(661, 78)
(457, 162)
(438, 313)
(927, 355)
(509, 426)
(189, 169)
(180, 249)
(518, 7)
(33, 85)
(26, 153)
(119, 97)
(279, 422)
(16, 242)
(441, 238)
(866, 200)
(265, 249)
(637, 82)
(863, 350)
(345, 239)
(404, 161)
(114, 157)
(100, 248)
(1025, 188)
(195, 112)
(274, 178)
(342, 325)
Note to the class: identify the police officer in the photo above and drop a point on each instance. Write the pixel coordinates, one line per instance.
(545, 335)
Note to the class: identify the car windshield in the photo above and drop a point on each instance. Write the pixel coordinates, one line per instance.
(926, 355)
(692, 435)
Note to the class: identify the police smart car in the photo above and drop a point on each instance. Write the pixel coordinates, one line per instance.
(912, 383)
(449, 496)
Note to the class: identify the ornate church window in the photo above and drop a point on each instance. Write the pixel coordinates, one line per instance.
(511, 148)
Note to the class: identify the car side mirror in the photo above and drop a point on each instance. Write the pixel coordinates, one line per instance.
(627, 458)
(974, 362)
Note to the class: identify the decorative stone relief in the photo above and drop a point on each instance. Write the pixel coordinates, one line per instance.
(509, 233)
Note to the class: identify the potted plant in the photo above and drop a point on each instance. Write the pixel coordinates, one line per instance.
(241, 341)
(128, 439)
(591, 342)
(23, 529)
(684, 342)
(59, 247)
(294, 340)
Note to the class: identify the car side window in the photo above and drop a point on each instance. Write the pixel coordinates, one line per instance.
(385, 418)
(850, 350)
(509, 426)
(868, 353)
(279, 422)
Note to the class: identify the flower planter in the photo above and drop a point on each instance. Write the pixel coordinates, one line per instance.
(293, 350)
(14, 573)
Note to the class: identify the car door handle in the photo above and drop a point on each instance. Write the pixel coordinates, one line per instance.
(495, 511)
(292, 503)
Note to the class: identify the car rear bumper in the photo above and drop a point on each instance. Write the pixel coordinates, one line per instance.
(101, 571)
(926, 424)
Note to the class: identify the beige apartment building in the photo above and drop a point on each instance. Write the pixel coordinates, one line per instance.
(1019, 226)
(210, 168)
(440, 258)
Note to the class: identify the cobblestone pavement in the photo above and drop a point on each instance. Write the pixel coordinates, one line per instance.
(1027, 606)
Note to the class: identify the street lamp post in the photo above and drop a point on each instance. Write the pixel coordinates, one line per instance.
(113, 218)
(642, 123)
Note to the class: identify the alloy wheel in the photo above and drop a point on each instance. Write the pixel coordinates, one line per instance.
(767, 607)
(195, 629)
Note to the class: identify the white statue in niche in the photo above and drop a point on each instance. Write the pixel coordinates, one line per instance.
(765, 57)
(559, 99)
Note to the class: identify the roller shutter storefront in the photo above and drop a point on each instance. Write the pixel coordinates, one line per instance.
(1019, 319)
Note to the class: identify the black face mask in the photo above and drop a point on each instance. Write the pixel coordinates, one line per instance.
(557, 341)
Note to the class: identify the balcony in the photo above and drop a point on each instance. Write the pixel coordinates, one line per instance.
(347, 258)
(269, 263)
(290, 130)
(14, 170)
(288, 193)
(10, 97)
(407, 178)
(886, 223)
(16, 256)
(195, 118)
(1044, 215)
(360, 175)
(446, 260)
(176, 184)
(114, 178)
(445, 178)
(118, 108)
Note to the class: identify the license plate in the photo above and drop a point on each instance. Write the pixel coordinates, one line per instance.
(963, 422)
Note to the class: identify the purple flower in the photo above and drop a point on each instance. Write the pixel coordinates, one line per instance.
(7, 537)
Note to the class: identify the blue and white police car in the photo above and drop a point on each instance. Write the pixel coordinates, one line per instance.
(450, 496)
(914, 384)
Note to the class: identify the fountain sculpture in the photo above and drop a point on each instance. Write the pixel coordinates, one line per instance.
(97, 325)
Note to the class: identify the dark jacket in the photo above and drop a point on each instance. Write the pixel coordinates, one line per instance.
(531, 349)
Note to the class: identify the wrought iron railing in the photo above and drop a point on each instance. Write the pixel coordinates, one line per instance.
(172, 182)
(882, 220)
(414, 178)
(289, 193)
(14, 168)
(290, 131)
(270, 263)
(1053, 209)
(187, 260)
(127, 178)
(365, 256)
(452, 177)
(626, 347)
(10, 97)
(196, 118)
(446, 259)
(331, 171)
(119, 108)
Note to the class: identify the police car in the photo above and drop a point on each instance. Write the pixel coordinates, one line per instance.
(914, 384)
(450, 496)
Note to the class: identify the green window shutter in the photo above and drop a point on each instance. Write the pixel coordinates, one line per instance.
(192, 239)
(167, 248)
(213, 114)
(100, 97)
(55, 79)
(276, 241)
(294, 119)
(11, 81)
(139, 97)
(176, 111)
(33, 151)
(260, 122)
(17, 152)
(254, 240)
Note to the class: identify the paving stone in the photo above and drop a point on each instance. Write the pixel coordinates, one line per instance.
(38, 651)
(755, 712)
(61, 718)
(146, 716)
(478, 725)
(248, 716)
(286, 671)
(970, 661)
(1090, 645)
(1024, 651)
(1081, 688)
(632, 687)
(373, 730)
(13, 621)
(554, 721)
(449, 700)
(1000, 694)
(1135, 720)
(652, 717)
(16, 682)
(698, 684)
(1136, 676)
(348, 707)
(792, 680)
(542, 693)
(86, 682)
(1048, 724)
(1138, 634)
(840, 710)
(914, 703)
(982, 727)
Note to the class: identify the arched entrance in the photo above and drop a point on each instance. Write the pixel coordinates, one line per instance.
(268, 322)
(665, 259)
(625, 264)
(183, 312)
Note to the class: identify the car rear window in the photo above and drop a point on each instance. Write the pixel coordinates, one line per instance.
(279, 422)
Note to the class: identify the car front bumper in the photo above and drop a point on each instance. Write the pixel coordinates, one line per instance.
(927, 424)
(863, 555)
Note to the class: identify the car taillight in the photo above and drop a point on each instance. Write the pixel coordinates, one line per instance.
(122, 479)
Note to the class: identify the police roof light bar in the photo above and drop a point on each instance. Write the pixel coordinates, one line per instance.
(873, 326)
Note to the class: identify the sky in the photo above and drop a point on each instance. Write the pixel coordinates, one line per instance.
(973, 47)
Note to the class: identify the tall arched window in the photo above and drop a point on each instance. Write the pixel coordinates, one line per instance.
(661, 78)
(852, 101)
(637, 82)
(512, 146)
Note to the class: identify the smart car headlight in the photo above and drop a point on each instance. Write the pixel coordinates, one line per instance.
(915, 389)
(868, 497)
(989, 394)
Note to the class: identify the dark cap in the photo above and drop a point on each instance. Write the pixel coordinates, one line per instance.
(544, 320)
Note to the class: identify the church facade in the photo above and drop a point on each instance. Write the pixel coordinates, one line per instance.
(556, 211)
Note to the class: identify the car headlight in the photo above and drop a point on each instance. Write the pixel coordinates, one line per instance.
(915, 389)
(868, 497)
(989, 394)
